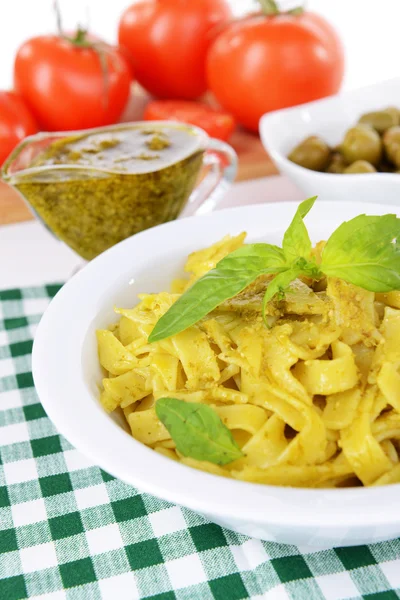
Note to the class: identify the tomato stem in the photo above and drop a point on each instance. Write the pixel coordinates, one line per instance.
(80, 40)
(271, 8)
(80, 37)
(57, 12)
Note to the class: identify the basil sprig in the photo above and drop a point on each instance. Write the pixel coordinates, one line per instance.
(231, 275)
(364, 251)
(197, 431)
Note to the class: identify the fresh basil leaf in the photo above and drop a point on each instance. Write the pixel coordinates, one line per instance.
(365, 251)
(197, 431)
(254, 257)
(296, 241)
(279, 285)
(205, 294)
(232, 275)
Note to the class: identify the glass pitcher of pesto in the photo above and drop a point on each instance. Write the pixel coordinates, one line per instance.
(94, 188)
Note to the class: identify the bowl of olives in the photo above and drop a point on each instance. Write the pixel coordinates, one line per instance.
(344, 147)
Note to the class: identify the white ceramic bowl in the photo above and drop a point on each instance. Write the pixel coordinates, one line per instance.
(67, 375)
(329, 118)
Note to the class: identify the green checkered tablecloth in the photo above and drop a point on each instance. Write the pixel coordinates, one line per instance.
(68, 530)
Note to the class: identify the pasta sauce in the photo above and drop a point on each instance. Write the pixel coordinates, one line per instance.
(96, 189)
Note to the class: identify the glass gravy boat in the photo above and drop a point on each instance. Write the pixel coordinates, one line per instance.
(91, 193)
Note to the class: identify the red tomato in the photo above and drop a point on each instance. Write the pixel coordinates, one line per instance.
(16, 122)
(65, 85)
(168, 42)
(216, 123)
(267, 63)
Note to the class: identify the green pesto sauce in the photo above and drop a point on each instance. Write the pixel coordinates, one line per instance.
(128, 180)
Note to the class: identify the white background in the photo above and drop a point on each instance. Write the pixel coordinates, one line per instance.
(368, 28)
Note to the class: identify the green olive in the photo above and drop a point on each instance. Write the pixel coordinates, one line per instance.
(312, 153)
(361, 142)
(380, 120)
(395, 112)
(337, 164)
(391, 143)
(360, 166)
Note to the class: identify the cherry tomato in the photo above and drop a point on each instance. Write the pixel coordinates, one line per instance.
(72, 83)
(16, 122)
(216, 123)
(168, 42)
(264, 63)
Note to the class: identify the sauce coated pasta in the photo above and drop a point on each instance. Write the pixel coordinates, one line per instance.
(311, 400)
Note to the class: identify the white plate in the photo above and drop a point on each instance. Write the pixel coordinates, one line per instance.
(67, 375)
(329, 118)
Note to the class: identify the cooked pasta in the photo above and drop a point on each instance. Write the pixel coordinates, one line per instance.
(311, 400)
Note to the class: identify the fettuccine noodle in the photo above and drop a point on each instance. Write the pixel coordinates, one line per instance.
(312, 401)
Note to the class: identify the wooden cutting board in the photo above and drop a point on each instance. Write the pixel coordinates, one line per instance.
(254, 162)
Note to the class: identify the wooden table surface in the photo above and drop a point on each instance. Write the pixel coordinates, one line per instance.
(254, 162)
